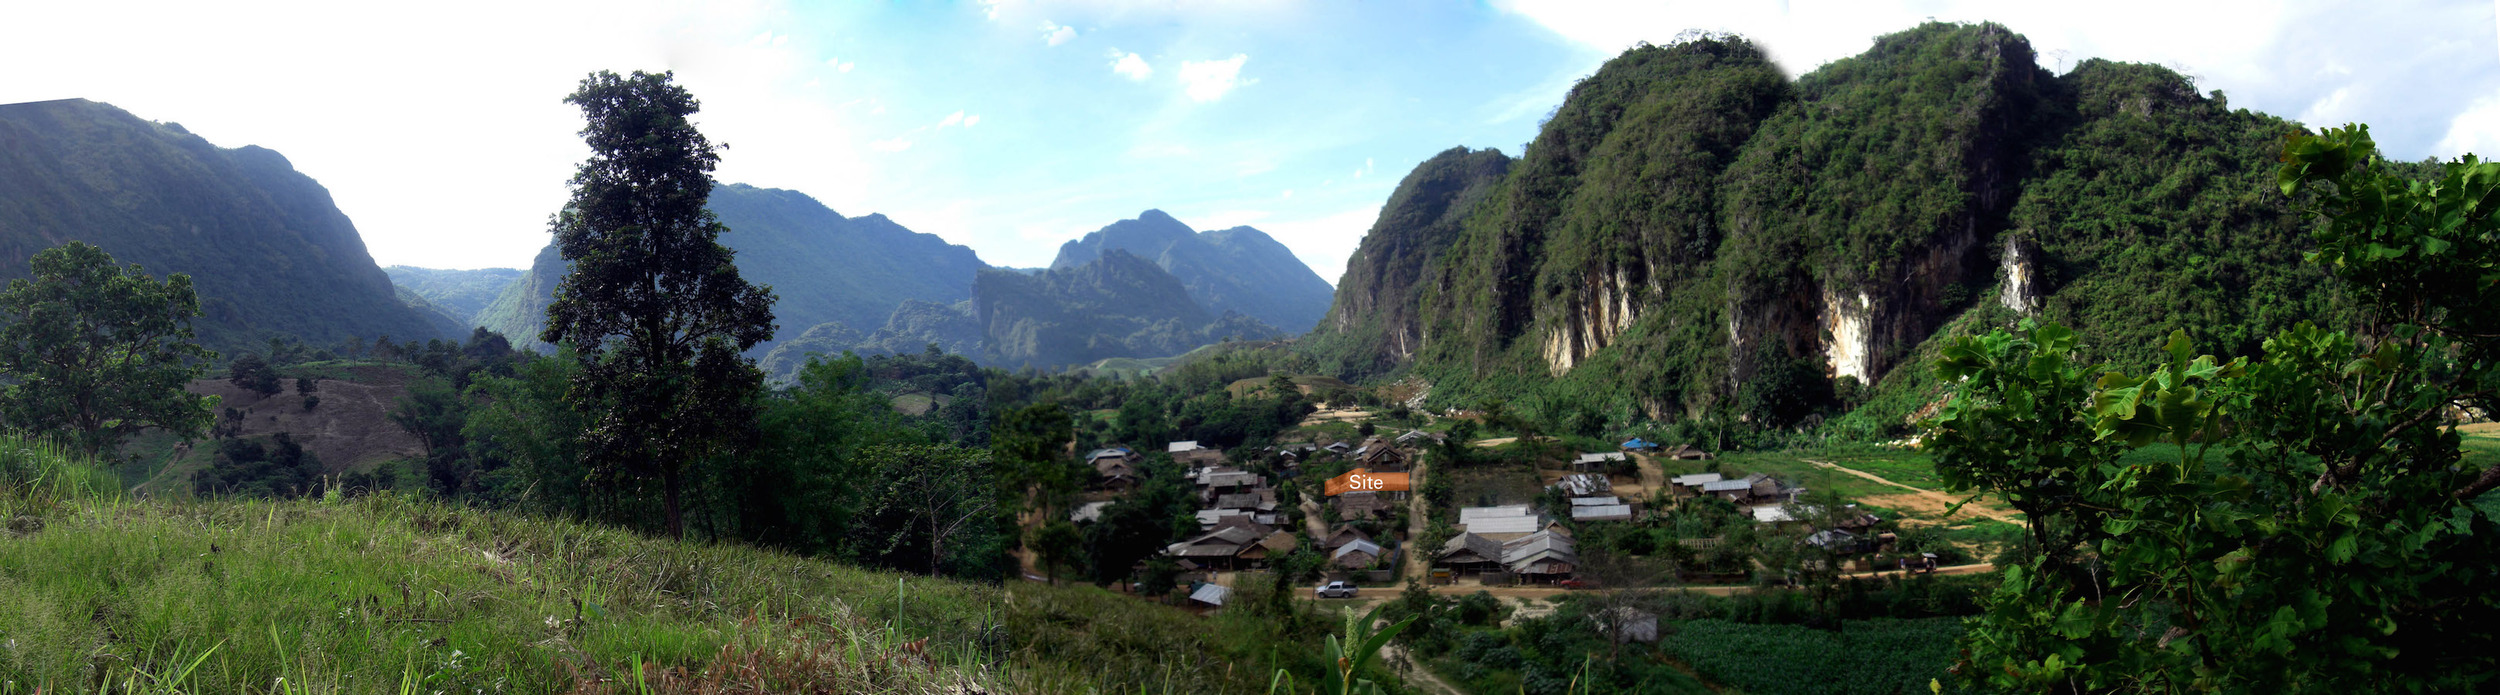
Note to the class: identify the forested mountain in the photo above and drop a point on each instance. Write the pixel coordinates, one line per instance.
(460, 294)
(822, 266)
(1241, 269)
(1692, 233)
(267, 250)
(1116, 305)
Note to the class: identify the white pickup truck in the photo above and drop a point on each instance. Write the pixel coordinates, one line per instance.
(1337, 589)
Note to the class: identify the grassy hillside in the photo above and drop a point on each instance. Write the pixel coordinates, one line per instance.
(391, 594)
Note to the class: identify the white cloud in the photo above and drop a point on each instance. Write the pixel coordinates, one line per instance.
(955, 118)
(890, 145)
(2476, 131)
(972, 120)
(1365, 169)
(989, 8)
(840, 65)
(1209, 80)
(2329, 109)
(1056, 34)
(1130, 65)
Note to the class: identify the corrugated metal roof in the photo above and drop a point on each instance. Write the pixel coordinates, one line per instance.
(1595, 501)
(1504, 524)
(1727, 486)
(1211, 594)
(1469, 514)
(1178, 447)
(1697, 479)
(1612, 512)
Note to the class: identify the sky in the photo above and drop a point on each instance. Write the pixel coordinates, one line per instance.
(1012, 126)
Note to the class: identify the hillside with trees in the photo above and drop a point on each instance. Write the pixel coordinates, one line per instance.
(268, 251)
(1693, 236)
(1116, 305)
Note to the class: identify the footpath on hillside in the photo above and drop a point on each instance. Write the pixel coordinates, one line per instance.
(1925, 500)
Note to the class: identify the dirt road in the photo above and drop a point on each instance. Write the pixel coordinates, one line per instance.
(1922, 499)
(1418, 559)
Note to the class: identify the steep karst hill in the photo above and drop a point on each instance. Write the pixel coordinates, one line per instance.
(823, 267)
(1241, 270)
(268, 251)
(1692, 232)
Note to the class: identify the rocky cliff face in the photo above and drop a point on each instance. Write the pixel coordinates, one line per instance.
(1373, 324)
(1693, 233)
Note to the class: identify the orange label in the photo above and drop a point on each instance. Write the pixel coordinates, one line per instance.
(1363, 480)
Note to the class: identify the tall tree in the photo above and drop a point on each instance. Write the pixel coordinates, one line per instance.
(2310, 523)
(101, 350)
(653, 306)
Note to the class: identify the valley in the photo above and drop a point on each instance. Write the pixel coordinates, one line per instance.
(1946, 364)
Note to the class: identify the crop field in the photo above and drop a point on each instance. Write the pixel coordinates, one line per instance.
(1871, 656)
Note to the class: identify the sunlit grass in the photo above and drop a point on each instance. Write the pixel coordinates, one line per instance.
(104, 593)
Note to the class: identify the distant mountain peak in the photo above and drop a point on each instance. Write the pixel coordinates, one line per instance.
(1240, 269)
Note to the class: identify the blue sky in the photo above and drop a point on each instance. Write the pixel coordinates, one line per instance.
(1012, 126)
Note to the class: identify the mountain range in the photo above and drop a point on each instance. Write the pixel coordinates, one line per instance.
(1241, 270)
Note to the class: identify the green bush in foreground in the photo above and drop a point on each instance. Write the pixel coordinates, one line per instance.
(370, 595)
(1870, 656)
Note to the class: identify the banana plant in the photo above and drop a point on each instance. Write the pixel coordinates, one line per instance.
(1348, 656)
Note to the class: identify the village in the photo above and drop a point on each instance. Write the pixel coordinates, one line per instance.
(1514, 518)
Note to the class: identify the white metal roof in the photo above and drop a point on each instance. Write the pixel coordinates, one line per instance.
(1471, 514)
(1595, 501)
(1727, 486)
(1610, 512)
(1772, 515)
(1212, 594)
(1178, 447)
(1698, 479)
(1503, 524)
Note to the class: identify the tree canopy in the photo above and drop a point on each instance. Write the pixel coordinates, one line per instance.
(101, 351)
(654, 306)
(2302, 521)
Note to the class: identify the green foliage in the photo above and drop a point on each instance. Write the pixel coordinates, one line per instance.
(2311, 527)
(1076, 638)
(99, 350)
(247, 468)
(1883, 655)
(251, 373)
(653, 304)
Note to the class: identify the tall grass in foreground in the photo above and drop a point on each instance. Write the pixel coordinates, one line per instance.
(100, 594)
(1079, 639)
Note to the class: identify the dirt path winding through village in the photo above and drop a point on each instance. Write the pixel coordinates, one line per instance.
(1418, 559)
(1932, 500)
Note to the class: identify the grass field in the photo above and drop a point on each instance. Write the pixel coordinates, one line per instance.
(102, 593)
